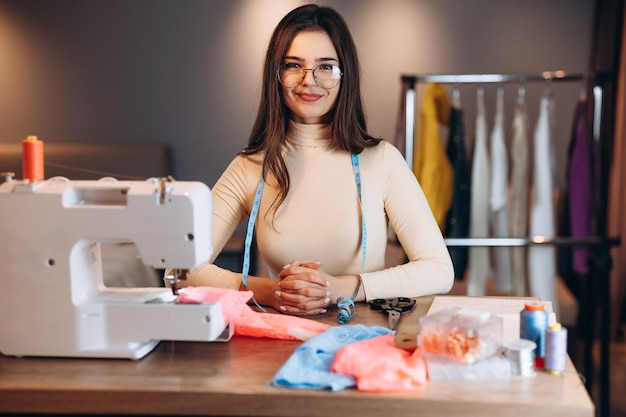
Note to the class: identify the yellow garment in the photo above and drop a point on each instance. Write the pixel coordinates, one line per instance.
(431, 165)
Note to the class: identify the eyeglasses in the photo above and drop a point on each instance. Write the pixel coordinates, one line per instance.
(325, 75)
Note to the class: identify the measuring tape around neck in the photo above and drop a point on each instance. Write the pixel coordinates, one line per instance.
(249, 233)
(357, 178)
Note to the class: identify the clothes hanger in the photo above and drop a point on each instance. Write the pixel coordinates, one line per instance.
(583, 89)
(547, 91)
(480, 98)
(521, 94)
(456, 97)
(500, 99)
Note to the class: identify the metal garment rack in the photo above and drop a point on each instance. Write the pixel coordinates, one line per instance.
(598, 294)
(522, 79)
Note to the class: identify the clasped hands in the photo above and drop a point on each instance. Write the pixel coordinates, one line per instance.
(304, 288)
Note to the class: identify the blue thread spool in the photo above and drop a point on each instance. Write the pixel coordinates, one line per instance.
(533, 325)
(346, 309)
(556, 348)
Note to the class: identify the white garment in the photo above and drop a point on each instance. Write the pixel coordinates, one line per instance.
(478, 264)
(519, 195)
(542, 259)
(498, 201)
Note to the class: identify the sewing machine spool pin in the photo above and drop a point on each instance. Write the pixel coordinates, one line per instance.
(162, 188)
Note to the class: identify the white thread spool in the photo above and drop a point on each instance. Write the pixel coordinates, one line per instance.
(521, 355)
(556, 348)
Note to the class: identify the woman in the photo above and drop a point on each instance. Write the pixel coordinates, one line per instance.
(320, 191)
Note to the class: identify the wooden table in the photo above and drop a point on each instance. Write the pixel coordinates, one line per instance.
(231, 379)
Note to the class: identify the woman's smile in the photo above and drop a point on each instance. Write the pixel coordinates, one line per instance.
(307, 96)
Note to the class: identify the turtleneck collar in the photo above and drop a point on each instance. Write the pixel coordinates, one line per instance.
(308, 138)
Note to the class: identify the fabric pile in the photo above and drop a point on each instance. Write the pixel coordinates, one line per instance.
(331, 357)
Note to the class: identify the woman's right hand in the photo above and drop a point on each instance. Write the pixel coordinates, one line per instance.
(303, 288)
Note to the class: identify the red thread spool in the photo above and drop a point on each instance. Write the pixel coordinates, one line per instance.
(32, 159)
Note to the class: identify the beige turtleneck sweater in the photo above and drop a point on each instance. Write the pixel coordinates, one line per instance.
(321, 218)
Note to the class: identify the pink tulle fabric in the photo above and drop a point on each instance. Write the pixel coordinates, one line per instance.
(247, 322)
(379, 366)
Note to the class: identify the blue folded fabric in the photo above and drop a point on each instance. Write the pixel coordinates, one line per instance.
(309, 365)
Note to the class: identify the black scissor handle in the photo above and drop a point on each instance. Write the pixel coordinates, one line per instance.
(402, 304)
(380, 304)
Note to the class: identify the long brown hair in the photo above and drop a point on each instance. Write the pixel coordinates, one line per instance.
(348, 128)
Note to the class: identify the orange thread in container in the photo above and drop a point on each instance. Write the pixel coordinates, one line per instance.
(32, 159)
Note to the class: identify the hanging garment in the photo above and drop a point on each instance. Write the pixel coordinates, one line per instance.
(478, 266)
(431, 165)
(457, 223)
(498, 200)
(519, 193)
(575, 202)
(542, 258)
(580, 183)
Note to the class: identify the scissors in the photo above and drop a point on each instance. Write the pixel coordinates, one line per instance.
(394, 308)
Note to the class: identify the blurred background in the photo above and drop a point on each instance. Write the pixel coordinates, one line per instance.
(186, 74)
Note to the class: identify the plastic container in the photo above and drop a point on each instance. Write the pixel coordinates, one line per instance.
(461, 335)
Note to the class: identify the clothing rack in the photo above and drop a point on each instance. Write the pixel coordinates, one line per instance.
(545, 77)
(496, 78)
(598, 295)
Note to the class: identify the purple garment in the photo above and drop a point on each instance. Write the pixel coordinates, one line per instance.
(580, 180)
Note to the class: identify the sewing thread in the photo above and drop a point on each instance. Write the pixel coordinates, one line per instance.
(533, 325)
(346, 307)
(32, 159)
(556, 349)
(521, 355)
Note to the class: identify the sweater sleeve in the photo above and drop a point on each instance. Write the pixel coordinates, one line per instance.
(232, 196)
(429, 268)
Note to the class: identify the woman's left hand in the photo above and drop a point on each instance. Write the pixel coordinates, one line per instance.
(304, 288)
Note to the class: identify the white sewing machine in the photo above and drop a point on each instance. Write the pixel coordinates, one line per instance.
(52, 298)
